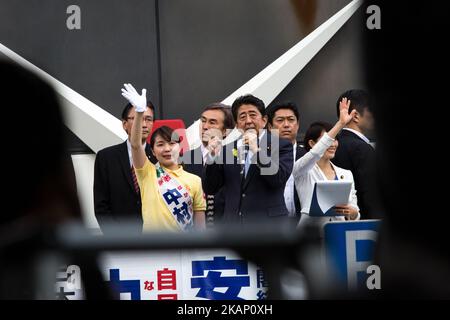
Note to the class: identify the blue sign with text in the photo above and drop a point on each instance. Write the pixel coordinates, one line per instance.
(350, 248)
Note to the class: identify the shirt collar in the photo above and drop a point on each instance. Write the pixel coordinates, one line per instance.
(176, 172)
(359, 134)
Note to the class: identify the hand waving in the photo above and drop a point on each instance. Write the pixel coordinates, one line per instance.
(138, 101)
(344, 116)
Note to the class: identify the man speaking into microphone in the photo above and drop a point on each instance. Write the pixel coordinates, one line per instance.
(254, 169)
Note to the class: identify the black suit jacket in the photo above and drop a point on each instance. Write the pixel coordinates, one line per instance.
(115, 198)
(194, 164)
(356, 155)
(256, 198)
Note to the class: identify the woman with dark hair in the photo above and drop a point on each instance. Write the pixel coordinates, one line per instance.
(172, 199)
(316, 165)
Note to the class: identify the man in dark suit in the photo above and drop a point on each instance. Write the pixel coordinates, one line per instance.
(216, 119)
(254, 169)
(116, 192)
(284, 119)
(355, 153)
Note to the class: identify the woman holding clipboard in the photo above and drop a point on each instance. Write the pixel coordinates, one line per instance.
(316, 165)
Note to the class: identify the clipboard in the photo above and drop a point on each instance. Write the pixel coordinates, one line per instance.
(326, 195)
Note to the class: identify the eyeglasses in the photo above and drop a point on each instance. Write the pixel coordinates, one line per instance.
(146, 119)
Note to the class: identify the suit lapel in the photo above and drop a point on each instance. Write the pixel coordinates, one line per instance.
(197, 154)
(246, 179)
(300, 152)
(125, 164)
(196, 162)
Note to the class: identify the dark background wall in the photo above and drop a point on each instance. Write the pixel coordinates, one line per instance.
(186, 53)
(210, 48)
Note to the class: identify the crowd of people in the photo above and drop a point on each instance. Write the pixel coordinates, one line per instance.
(265, 175)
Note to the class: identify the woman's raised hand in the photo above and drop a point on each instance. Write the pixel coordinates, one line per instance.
(138, 101)
(344, 116)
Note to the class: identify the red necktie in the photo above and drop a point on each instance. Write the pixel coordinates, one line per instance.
(135, 182)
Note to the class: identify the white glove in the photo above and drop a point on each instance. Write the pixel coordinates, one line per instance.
(138, 101)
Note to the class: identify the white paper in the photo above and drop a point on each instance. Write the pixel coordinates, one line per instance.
(332, 192)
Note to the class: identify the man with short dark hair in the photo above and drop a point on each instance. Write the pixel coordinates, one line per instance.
(355, 153)
(284, 118)
(254, 169)
(116, 192)
(215, 119)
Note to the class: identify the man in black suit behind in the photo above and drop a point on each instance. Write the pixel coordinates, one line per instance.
(254, 169)
(284, 118)
(355, 153)
(216, 119)
(116, 192)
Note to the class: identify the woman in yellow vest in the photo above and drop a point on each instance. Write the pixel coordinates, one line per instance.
(172, 199)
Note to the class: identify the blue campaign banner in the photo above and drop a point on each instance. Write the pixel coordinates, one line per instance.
(349, 249)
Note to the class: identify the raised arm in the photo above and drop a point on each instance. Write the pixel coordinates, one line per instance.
(140, 104)
(307, 162)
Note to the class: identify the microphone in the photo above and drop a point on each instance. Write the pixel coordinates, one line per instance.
(246, 148)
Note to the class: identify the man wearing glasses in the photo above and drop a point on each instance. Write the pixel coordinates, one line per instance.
(116, 191)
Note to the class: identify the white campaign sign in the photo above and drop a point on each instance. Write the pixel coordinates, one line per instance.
(177, 274)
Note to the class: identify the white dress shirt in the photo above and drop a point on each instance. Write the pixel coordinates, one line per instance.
(306, 172)
(205, 153)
